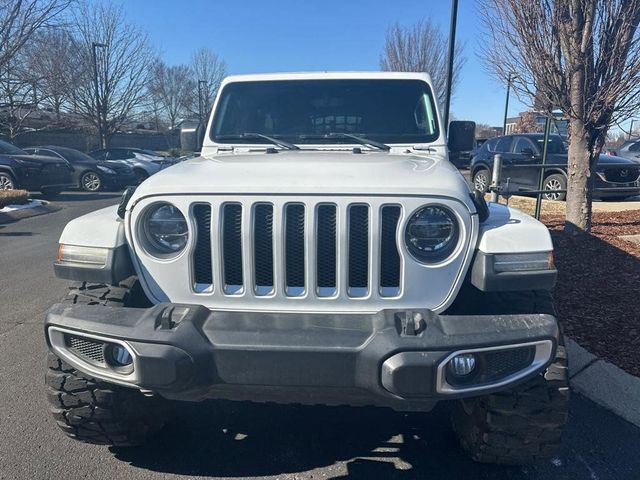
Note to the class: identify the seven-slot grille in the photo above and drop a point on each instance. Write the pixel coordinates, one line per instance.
(295, 249)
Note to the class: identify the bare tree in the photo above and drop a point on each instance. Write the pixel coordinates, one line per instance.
(20, 19)
(172, 89)
(123, 64)
(579, 56)
(527, 123)
(51, 58)
(18, 97)
(421, 47)
(207, 70)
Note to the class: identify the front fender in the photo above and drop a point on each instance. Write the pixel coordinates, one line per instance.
(102, 229)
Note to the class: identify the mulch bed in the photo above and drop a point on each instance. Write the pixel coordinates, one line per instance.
(598, 289)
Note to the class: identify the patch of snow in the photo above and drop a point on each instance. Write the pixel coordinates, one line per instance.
(31, 204)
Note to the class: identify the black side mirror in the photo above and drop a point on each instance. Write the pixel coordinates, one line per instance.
(528, 152)
(191, 136)
(462, 136)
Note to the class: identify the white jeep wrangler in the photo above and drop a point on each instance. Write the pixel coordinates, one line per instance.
(322, 250)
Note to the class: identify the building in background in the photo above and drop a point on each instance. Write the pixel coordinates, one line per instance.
(533, 122)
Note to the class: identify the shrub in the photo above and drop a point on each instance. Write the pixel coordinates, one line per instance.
(13, 197)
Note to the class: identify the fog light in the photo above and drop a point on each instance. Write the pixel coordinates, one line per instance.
(462, 365)
(119, 356)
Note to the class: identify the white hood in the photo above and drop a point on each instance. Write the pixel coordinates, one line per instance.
(311, 172)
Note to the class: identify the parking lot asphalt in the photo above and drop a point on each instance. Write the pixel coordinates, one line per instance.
(243, 440)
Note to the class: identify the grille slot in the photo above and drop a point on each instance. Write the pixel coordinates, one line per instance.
(232, 248)
(326, 264)
(389, 255)
(263, 248)
(358, 250)
(87, 349)
(202, 261)
(294, 249)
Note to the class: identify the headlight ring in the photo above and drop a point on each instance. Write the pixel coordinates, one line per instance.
(432, 234)
(163, 230)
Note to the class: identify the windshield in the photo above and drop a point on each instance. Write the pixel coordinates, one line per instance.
(9, 149)
(74, 156)
(303, 111)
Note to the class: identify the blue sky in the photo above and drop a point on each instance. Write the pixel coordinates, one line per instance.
(289, 35)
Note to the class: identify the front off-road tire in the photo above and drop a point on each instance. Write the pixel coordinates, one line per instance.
(94, 411)
(523, 424)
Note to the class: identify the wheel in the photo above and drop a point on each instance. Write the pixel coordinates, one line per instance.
(482, 180)
(6, 181)
(141, 175)
(523, 424)
(51, 192)
(94, 411)
(90, 182)
(557, 181)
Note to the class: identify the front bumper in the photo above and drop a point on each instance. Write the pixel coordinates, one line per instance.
(392, 358)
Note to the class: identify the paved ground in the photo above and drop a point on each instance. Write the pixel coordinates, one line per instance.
(222, 439)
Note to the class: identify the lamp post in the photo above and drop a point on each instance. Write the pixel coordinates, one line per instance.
(201, 99)
(631, 129)
(506, 104)
(95, 46)
(452, 50)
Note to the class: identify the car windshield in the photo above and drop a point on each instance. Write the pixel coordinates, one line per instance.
(6, 147)
(151, 153)
(74, 156)
(556, 144)
(305, 111)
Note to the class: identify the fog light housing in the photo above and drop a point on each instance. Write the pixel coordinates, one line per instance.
(118, 356)
(462, 365)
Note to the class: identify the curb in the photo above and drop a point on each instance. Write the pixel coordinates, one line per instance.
(604, 383)
(14, 216)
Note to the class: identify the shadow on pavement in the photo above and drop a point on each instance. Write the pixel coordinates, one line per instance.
(243, 440)
(76, 196)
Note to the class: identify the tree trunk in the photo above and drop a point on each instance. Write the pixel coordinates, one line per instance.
(579, 194)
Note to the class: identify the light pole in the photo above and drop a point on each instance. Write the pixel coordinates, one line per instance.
(506, 104)
(452, 50)
(95, 46)
(631, 129)
(200, 99)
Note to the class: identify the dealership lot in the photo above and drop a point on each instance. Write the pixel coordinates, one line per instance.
(241, 440)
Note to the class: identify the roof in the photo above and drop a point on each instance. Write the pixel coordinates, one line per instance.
(329, 76)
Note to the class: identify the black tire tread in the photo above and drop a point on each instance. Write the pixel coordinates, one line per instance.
(100, 413)
(524, 424)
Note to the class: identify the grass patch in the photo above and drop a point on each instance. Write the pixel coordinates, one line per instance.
(13, 197)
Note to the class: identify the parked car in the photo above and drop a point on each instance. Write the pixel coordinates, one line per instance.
(144, 162)
(19, 169)
(298, 261)
(525, 149)
(629, 149)
(89, 174)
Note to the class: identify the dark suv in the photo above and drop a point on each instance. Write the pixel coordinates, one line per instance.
(522, 150)
(18, 169)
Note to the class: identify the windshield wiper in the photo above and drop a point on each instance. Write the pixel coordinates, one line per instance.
(275, 141)
(359, 139)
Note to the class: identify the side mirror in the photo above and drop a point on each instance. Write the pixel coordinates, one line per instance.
(462, 136)
(528, 152)
(191, 136)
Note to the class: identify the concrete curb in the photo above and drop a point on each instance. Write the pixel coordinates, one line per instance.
(14, 216)
(604, 383)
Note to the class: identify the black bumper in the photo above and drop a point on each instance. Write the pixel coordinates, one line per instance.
(189, 352)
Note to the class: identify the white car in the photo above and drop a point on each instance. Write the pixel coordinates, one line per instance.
(321, 250)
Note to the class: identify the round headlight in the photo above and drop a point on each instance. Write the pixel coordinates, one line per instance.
(432, 234)
(165, 229)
